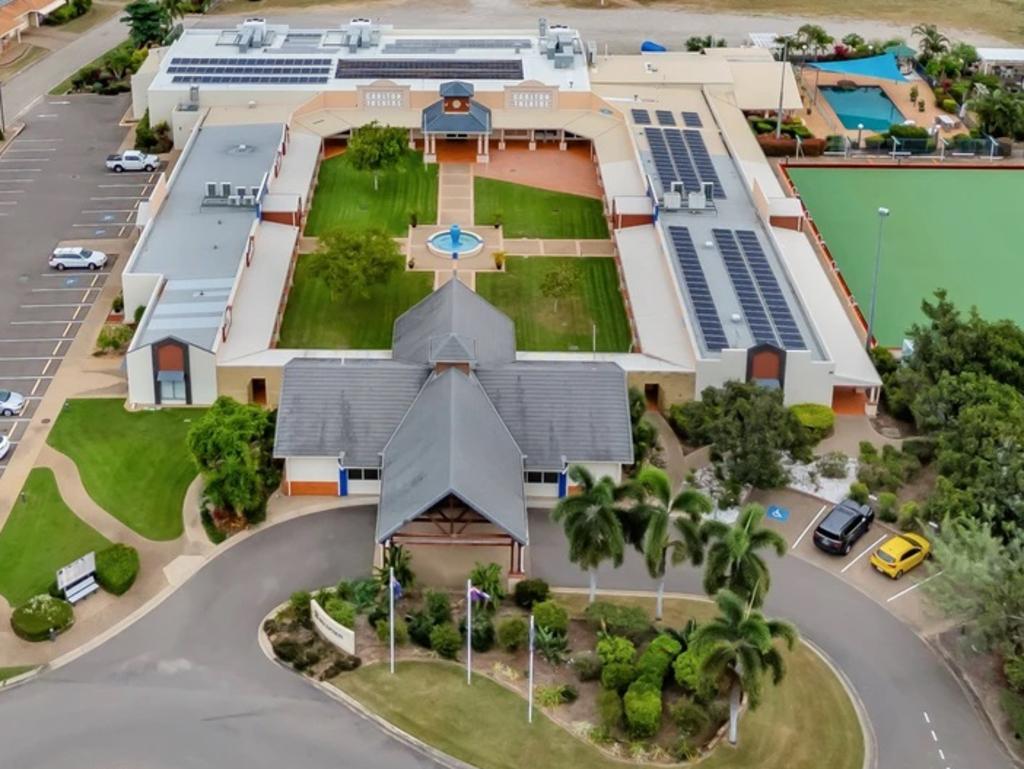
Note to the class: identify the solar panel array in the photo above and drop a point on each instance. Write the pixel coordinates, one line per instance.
(641, 116)
(778, 307)
(452, 45)
(680, 158)
(431, 69)
(692, 120)
(746, 290)
(697, 287)
(665, 117)
(275, 70)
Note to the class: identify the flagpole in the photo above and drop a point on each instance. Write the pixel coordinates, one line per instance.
(469, 631)
(391, 616)
(529, 707)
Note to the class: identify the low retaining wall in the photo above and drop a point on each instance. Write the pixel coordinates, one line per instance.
(331, 631)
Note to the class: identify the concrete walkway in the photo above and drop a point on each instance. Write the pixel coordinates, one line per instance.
(455, 194)
(849, 431)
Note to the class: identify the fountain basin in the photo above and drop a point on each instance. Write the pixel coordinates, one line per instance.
(461, 243)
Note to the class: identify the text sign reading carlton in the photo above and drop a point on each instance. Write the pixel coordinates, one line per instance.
(76, 570)
(332, 632)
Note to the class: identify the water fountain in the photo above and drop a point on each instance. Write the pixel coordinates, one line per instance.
(455, 243)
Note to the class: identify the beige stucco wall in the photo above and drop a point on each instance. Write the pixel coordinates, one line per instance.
(449, 565)
(673, 386)
(139, 364)
(233, 381)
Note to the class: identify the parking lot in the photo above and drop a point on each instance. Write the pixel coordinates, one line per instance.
(902, 597)
(55, 190)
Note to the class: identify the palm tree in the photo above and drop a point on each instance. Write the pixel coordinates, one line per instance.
(591, 522)
(733, 560)
(741, 650)
(932, 41)
(815, 38)
(1001, 113)
(668, 536)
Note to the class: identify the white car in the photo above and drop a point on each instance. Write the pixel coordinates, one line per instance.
(11, 403)
(132, 160)
(5, 445)
(77, 257)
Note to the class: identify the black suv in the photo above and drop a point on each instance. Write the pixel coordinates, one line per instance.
(843, 526)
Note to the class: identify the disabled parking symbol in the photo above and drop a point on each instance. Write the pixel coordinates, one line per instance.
(777, 513)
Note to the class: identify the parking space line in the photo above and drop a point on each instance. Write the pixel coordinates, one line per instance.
(38, 357)
(34, 149)
(59, 274)
(112, 186)
(56, 347)
(912, 587)
(11, 192)
(94, 225)
(38, 306)
(23, 140)
(64, 288)
(35, 387)
(808, 528)
(23, 378)
(47, 366)
(109, 211)
(863, 553)
(42, 323)
(19, 181)
(38, 339)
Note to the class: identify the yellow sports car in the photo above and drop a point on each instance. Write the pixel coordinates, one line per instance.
(900, 554)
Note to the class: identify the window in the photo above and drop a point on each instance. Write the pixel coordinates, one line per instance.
(538, 476)
(364, 473)
(172, 390)
(531, 99)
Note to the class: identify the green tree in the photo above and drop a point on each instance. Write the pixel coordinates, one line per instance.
(233, 446)
(119, 61)
(1000, 112)
(742, 650)
(815, 38)
(697, 44)
(147, 22)
(932, 42)
(853, 40)
(351, 263)
(375, 147)
(175, 9)
(733, 556)
(591, 523)
(673, 526)
(559, 283)
(645, 435)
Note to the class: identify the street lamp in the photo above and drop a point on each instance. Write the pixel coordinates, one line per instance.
(782, 88)
(860, 133)
(883, 214)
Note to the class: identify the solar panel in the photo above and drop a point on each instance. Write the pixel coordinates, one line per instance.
(775, 300)
(641, 116)
(697, 287)
(702, 161)
(665, 117)
(692, 120)
(431, 69)
(455, 44)
(746, 289)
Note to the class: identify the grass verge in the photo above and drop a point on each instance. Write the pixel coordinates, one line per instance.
(41, 535)
(346, 198)
(315, 319)
(543, 324)
(15, 670)
(529, 212)
(64, 86)
(135, 465)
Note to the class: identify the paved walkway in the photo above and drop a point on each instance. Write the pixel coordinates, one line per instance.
(455, 194)
(548, 168)
(849, 431)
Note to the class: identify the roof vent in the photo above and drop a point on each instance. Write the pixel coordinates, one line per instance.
(736, 318)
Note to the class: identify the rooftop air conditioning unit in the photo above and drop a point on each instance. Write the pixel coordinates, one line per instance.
(696, 201)
(234, 200)
(248, 200)
(240, 191)
(672, 201)
(211, 190)
(225, 189)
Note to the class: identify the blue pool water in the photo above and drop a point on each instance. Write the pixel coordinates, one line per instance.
(867, 105)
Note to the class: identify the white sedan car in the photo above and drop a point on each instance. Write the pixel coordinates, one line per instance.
(77, 257)
(5, 445)
(11, 403)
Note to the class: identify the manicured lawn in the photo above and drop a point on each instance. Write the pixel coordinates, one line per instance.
(345, 197)
(11, 672)
(485, 724)
(135, 465)
(529, 212)
(41, 535)
(315, 319)
(949, 228)
(539, 324)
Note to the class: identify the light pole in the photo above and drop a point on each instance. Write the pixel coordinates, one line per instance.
(883, 214)
(782, 88)
(860, 133)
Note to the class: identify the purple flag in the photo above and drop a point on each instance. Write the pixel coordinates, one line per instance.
(476, 594)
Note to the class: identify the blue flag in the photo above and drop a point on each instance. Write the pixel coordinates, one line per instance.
(396, 588)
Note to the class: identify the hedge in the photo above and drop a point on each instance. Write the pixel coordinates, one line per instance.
(643, 709)
(35, 618)
(530, 592)
(551, 616)
(816, 418)
(629, 621)
(513, 634)
(445, 640)
(612, 649)
(609, 708)
(657, 658)
(617, 675)
(117, 567)
(784, 146)
(341, 611)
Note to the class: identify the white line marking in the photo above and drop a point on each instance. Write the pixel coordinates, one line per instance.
(37, 339)
(47, 366)
(40, 357)
(101, 225)
(37, 306)
(35, 387)
(26, 160)
(942, 755)
(23, 378)
(35, 149)
(935, 737)
(804, 532)
(121, 197)
(22, 139)
(5, 181)
(109, 211)
(66, 288)
(110, 186)
(912, 587)
(56, 348)
(41, 323)
(927, 720)
(11, 192)
(68, 327)
(863, 553)
(77, 310)
(59, 274)
(8, 202)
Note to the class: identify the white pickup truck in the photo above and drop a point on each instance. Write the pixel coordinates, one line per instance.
(132, 160)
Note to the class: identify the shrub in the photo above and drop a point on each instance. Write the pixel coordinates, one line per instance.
(609, 709)
(642, 705)
(557, 694)
(689, 717)
(684, 750)
(859, 492)
(116, 568)
(817, 419)
(833, 465)
(343, 590)
(657, 658)
(445, 640)
(299, 601)
(552, 645)
(114, 337)
(483, 631)
(1013, 669)
(908, 515)
(629, 621)
(383, 628)
(718, 713)
(420, 626)
(364, 593)
(887, 507)
(531, 591)
(922, 449)
(1013, 706)
(513, 634)
(286, 649)
(686, 669)
(949, 105)
(885, 471)
(38, 616)
(438, 607)
(587, 666)
(617, 675)
(612, 649)
(489, 578)
(341, 611)
(550, 616)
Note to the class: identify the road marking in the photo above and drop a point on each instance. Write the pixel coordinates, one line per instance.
(68, 327)
(42, 323)
(927, 720)
(20, 181)
(50, 114)
(66, 288)
(39, 357)
(23, 378)
(121, 197)
(912, 587)
(804, 532)
(77, 310)
(35, 387)
(26, 160)
(863, 553)
(22, 140)
(935, 737)
(11, 192)
(111, 186)
(56, 347)
(38, 306)
(109, 211)
(94, 225)
(34, 149)
(8, 202)
(942, 756)
(37, 339)
(60, 274)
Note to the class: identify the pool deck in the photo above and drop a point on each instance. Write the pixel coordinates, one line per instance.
(822, 120)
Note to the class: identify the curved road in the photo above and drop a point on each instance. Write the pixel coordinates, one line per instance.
(187, 686)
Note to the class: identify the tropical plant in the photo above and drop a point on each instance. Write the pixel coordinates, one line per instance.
(398, 558)
(551, 645)
(697, 44)
(147, 22)
(932, 42)
(591, 523)
(488, 578)
(673, 526)
(742, 650)
(733, 558)
(377, 148)
(1000, 112)
(815, 38)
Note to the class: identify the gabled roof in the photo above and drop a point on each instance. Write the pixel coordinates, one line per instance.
(563, 408)
(456, 89)
(477, 120)
(454, 309)
(330, 405)
(452, 348)
(452, 443)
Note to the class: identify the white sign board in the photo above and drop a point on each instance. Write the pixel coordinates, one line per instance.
(76, 570)
(331, 631)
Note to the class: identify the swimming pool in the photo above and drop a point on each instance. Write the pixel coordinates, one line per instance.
(867, 105)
